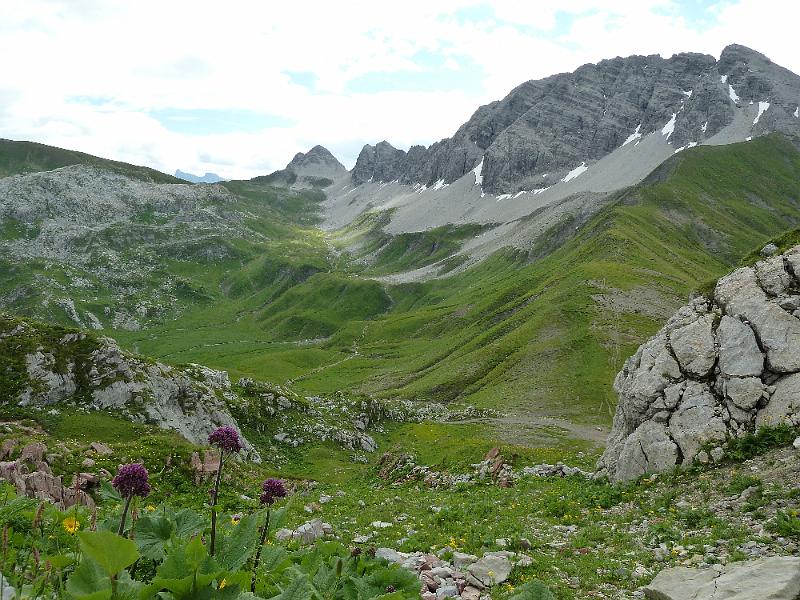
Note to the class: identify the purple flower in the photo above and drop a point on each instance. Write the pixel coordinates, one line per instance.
(226, 439)
(131, 480)
(272, 490)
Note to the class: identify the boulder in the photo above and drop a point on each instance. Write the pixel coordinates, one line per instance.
(491, 569)
(33, 453)
(775, 578)
(784, 404)
(309, 532)
(100, 449)
(744, 392)
(778, 331)
(649, 449)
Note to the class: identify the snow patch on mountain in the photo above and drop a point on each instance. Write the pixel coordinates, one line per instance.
(582, 168)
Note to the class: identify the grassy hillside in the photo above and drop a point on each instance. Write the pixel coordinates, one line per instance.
(30, 157)
(538, 336)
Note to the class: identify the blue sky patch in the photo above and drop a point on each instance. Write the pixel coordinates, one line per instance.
(211, 122)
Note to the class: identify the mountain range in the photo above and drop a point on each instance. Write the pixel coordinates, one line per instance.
(512, 266)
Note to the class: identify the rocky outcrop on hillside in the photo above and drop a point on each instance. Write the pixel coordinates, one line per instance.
(719, 368)
(776, 578)
(96, 374)
(553, 125)
(104, 238)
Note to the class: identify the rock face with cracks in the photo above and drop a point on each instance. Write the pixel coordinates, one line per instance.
(551, 126)
(718, 369)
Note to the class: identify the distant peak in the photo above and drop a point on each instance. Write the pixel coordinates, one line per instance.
(316, 162)
(207, 178)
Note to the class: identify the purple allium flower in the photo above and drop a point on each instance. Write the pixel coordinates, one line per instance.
(131, 480)
(226, 439)
(272, 490)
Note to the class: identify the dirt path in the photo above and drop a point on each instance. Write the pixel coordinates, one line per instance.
(540, 430)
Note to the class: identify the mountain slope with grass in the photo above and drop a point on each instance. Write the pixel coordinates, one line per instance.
(237, 276)
(539, 333)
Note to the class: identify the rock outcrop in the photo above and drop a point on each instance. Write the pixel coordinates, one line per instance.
(96, 374)
(775, 578)
(553, 125)
(718, 369)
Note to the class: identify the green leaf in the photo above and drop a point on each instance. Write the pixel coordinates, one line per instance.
(240, 544)
(89, 582)
(108, 493)
(127, 588)
(59, 561)
(274, 559)
(112, 552)
(152, 534)
(278, 518)
(299, 588)
(188, 523)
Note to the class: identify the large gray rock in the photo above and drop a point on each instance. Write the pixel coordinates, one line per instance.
(784, 404)
(693, 346)
(649, 449)
(775, 578)
(739, 354)
(697, 420)
(703, 378)
(778, 332)
(491, 569)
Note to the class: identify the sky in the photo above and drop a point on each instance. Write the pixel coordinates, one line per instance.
(237, 88)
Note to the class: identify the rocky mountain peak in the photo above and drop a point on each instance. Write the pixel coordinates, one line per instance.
(557, 124)
(382, 162)
(317, 162)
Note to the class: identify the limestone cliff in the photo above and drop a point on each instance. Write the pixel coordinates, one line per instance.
(719, 368)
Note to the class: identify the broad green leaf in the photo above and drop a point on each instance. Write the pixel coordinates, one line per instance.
(152, 533)
(325, 577)
(274, 559)
(59, 561)
(299, 588)
(112, 552)
(127, 588)
(108, 492)
(89, 582)
(239, 545)
(188, 523)
(277, 518)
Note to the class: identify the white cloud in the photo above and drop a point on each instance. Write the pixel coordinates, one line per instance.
(134, 58)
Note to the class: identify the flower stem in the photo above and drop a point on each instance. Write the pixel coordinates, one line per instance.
(214, 495)
(121, 529)
(257, 560)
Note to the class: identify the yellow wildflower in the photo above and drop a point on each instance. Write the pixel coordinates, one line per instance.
(71, 525)
(150, 508)
(223, 583)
